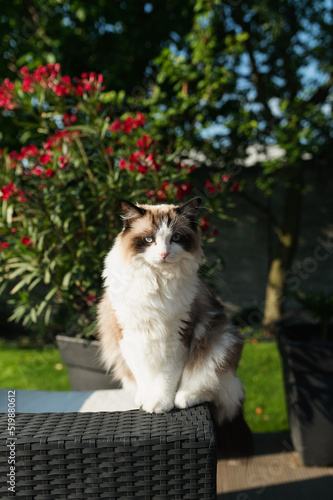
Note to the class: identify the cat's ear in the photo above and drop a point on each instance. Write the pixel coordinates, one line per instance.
(190, 208)
(130, 211)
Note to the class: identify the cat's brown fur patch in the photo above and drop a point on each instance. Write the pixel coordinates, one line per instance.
(110, 334)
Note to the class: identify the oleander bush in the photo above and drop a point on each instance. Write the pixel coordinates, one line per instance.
(81, 151)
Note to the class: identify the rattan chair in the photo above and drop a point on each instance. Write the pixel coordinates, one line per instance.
(114, 455)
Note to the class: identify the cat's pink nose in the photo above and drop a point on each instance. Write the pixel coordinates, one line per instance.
(164, 255)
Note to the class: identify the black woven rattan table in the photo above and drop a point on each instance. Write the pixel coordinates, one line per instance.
(116, 455)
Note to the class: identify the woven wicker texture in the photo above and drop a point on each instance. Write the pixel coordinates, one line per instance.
(119, 455)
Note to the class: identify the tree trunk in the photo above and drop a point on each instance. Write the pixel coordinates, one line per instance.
(287, 239)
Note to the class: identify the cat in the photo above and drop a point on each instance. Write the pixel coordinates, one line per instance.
(162, 333)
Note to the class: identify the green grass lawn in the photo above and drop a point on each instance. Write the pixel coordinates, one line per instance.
(261, 371)
(40, 368)
(26, 367)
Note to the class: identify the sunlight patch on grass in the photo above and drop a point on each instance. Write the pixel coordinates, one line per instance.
(261, 371)
(37, 368)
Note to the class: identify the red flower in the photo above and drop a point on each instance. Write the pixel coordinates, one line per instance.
(46, 76)
(109, 151)
(8, 191)
(213, 233)
(122, 164)
(5, 244)
(225, 177)
(24, 70)
(145, 142)
(50, 173)
(183, 191)
(91, 298)
(21, 197)
(235, 187)
(115, 126)
(204, 224)
(90, 82)
(30, 150)
(69, 119)
(25, 241)
(44, 159)
(142, 169)
(135, 157)
(79, 90)
(66, 80)
(63, 161)
(59, 138)
(139, 121)
(160, 195)
(212, 187)
(7, 97)
(28, 84)
(151, 159)
(128, 125)
(61, 90)
(191, 169)
(37, 170)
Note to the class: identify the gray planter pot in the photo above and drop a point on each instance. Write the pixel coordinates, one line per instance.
(85, 369)
(308, 380)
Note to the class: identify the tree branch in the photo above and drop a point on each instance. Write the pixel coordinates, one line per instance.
(322, 93)
(257, 77)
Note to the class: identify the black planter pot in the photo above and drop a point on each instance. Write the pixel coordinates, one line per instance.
(84, 367)
(308, 380)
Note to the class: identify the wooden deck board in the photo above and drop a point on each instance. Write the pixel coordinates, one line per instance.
(274, 473)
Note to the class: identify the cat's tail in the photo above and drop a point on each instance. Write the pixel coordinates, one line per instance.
(234, 437)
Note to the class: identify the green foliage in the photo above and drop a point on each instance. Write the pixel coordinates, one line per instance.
(253, 73)
(60, 191)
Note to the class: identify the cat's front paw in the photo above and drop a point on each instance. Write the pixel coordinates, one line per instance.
(157, 405)
(184, 399)
(139, 399)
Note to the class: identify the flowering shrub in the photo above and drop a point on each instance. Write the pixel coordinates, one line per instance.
(59, 191)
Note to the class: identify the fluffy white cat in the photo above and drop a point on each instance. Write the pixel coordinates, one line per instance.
(162, 333)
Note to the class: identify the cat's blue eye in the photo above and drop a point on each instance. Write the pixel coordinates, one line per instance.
(148, 239)
(175, 237)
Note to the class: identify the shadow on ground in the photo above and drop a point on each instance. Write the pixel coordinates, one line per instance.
(320, 488)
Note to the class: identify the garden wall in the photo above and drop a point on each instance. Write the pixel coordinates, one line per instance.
(246, 246)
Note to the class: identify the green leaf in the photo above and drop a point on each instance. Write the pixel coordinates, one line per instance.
(47, 276)
(51, 293)
(48, 315)
(107, 97)
(22, 283)
(66, 280)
